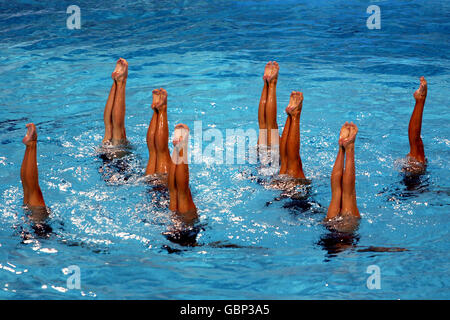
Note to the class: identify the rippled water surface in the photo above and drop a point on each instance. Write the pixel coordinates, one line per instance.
(210, 57)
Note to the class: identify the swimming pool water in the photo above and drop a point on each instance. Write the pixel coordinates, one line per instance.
(210, 56)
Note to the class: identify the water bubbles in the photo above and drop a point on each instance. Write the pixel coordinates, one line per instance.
(48, 250)
(59, 289)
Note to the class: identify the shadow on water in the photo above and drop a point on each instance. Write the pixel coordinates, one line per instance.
(416, 182)
(342, 235)
(214, 244)
(157, 192)
(296, 192)
(296, 197)
(185, 236)
(302, 203)
(335, 242)
(183, 232)
(38, 225)
(410, 185)
(119, 164)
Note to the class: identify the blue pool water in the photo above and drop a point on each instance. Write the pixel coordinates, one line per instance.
(210, 57)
